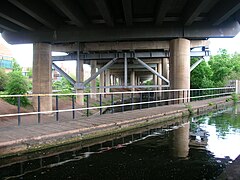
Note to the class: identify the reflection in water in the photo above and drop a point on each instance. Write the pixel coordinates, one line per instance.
(192, 150)
(181, 141)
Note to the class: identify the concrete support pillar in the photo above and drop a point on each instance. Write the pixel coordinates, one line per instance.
(93, 82)
(155, 79)
(133, 79)
(159, 70)
(113, 80)
(181, 141)
(180, 66)
(42, 75)
(79, 81)
(107, 80)
(165, 69)
(101, 82)
(139, 80)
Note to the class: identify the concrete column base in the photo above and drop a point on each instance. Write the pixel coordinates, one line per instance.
(79, 98)
(42, 75)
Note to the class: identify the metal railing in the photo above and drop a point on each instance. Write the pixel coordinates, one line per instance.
(116, 101)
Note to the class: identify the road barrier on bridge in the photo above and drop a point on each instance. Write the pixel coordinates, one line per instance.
(117, 101)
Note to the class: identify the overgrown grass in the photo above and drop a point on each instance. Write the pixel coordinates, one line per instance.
(190, 109)
(235, 97)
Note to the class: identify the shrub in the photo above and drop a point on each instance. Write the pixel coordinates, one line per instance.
(235, 97)
(63, 85)
(17, 84)
(3, 79)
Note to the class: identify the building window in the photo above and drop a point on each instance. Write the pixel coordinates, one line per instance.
(6, 64)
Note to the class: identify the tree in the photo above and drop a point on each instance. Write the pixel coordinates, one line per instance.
(201, 75)
(221, 66)
(17, 85)
(63, 85)
(3, 79)
(225, 67)
(16, 66)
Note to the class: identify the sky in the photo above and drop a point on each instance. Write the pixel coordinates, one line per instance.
(23, 53)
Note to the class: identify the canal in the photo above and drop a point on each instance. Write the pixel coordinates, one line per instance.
(195, 148)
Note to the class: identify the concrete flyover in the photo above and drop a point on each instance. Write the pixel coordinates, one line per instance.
(136, 34)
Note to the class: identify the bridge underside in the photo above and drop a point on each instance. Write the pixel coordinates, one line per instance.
(64, 21)
(128, 41)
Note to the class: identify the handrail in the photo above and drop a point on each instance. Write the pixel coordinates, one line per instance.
(109, 93)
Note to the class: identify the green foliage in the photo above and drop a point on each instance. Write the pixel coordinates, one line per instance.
(29, 73)
(201, 75)
(190, 109)
(17, 84)
(211, 104)
(217, 71)
(16, 66)
(3, 79)
(63, 85)
(97, 82)
(235, 98)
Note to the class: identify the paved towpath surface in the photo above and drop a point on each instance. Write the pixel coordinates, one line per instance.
(14, 134)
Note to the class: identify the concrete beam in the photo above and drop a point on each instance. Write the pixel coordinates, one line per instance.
(16, 16)
(193, 10)
(122, 46)
(104, 11)
(41, 13)
(129, 46)
(223, 11)
(71, 10)
(198, 30)
(163, 7)
(7, 25)
(127, 10)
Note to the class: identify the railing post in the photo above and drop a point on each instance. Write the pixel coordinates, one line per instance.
(56, 107)
(140, 101)
(87, 105)
(148, 99)
(155, 98)
(18, 109)
(178, 96)
(132, 101)
(39, 109)
(183, 96)
(73, 107)
(100, 103)
(112, 102)
(122, 102)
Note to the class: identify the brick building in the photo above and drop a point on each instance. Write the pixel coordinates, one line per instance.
(6, 58)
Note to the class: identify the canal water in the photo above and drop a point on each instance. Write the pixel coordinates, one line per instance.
(196, 148)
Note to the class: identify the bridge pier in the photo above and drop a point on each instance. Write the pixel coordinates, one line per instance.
(42, 75)
(159, 70)
(79, 81)
(93, 82)
(102, 84)
(180, 66)
(133, 79)
(165, 69)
